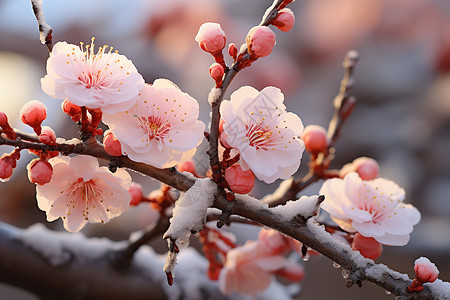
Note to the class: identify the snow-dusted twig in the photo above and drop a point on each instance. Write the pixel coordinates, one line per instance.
(45, 30)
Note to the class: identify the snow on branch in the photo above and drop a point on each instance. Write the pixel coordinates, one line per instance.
(189, 216)
(61, 265)
(45, 30)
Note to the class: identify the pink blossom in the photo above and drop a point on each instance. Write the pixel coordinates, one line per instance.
(161, 129)
(425, 270)
(248, 269)
(260, 41)
(266, 136)
(102, 79)
(210, 37)
(374, 208)
(240, 181)
(80, 191)
(276, 243)
(39, 171)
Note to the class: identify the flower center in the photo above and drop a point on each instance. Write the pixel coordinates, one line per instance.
(96, 67)
(258, 136)
(84, 194)
(154, 127)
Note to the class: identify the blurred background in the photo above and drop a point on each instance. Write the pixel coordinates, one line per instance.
(402, 118)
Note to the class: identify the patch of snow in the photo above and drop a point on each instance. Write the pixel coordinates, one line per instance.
(305, 206)
(214, 94)
(44, 28)
(59, 248)
(440, 289)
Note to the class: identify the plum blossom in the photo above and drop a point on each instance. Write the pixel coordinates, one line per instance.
(267, 137)
(102, 79)
(374, 208)
(161, 129)
(249, 268)
(425, 270)
(80, 191)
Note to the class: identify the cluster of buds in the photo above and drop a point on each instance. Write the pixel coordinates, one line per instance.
(89, 122)
(160, 200)
(8, 162)
(6, 128)
(216, 244)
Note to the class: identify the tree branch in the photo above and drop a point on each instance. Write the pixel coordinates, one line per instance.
(45, 30)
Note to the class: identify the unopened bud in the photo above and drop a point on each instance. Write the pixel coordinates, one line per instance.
(260, 41)
(211, 38)
(40, 171)
(33, 113)
(6, 169)
(72, 110)
(47, 136)
(425, 270)
(187, 166)
(315, 138)
(216, 71)
(284, 20)
(367, 246)
(135, 191)
(366, 167)
(232, 50)
(111, 144)
(240, 181)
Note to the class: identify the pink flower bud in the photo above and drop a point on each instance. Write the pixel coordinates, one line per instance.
(6, 169)
(135, 191)
(111, 144)
(47, 136)
(284, 20)
(425, 270)
(216, 71)
(40, 171)
(367, 168)
(260, 41)
(315, 138)
(240, 181)
(211, 38)
(293, 272)
(232, 50)
(33, 113)
(74, 111)
(188, 166)
(367, 246)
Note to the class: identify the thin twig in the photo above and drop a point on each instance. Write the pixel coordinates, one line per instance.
(45, 30)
